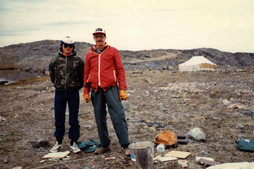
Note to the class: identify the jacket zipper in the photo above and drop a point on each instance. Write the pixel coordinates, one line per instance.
(66, 74)
(99, 68)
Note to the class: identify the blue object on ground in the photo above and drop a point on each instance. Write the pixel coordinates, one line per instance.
(89, 146)
(245, 145)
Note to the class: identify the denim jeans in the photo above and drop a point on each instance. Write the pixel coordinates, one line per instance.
(61, 100)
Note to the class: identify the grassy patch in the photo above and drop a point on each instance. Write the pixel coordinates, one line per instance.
(8, 67)
(27, 81)
(215, 94)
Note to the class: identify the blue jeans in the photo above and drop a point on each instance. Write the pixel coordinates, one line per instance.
(117, 115)
(61, 99)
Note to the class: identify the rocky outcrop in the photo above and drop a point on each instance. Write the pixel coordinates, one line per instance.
(35, 56)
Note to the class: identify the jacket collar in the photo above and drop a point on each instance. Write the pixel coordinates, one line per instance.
(71, 55)
(94, 49)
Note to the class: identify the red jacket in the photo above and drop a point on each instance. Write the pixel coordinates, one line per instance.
(104, 70)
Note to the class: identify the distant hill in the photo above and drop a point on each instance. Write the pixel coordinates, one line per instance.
(35, 57)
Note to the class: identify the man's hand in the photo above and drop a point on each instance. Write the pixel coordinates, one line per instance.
(123, 95)
(86, 98)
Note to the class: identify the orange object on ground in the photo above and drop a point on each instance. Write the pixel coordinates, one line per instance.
(166, 137)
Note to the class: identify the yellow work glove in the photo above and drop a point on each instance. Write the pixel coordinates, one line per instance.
(123, 95)
(86, 98)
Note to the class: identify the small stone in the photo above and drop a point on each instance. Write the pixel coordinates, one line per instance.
(5, 160)
(214, 117)
(2, 119)
(87, 126)
(240, 126)
(40, 143)
(238, 93)
(44, 143)
(152, 129)
(204, 152)
(147, 80)
(150, 124)
(18, 167)
(175, 96)
(225, 102)
(159, 125)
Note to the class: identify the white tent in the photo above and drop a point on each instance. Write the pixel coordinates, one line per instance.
(197, 63)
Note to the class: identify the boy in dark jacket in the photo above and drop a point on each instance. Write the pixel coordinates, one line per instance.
(66, 73)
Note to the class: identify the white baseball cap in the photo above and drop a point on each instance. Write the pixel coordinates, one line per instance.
(68, 40)
(99, 30)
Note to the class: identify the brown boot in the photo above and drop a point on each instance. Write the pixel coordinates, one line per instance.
(101, 150)
(127, 151)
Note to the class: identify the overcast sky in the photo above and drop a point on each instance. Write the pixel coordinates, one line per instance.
(227, 25)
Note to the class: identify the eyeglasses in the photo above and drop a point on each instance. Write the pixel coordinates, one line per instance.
(70, 45)
(98, 36)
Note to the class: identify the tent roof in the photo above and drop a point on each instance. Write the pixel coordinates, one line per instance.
(197, 60)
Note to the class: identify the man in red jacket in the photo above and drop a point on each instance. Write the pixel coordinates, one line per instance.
(103, 71)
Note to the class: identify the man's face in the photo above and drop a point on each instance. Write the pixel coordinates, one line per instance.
(67, 48)
(99, 39)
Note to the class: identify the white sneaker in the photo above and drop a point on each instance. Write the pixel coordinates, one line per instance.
(55, 148)
(74, 148)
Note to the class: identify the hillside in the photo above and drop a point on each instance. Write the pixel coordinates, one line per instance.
(35, 56)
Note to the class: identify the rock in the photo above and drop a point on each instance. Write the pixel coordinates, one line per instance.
(158, 125)
(5, 159)
(238, 93)
(2, 119)
(240, 126)
(204, 152)
(40, 143)
(150, 124)
(142, 121)
(18, 167)
(237, 106)
(3, 82)
(147, 80)
(175, 96)
(44, 143)
(226, 102)
(197, 134)
(215, 117)
(248, 113)
(87, 126)
(152, 129)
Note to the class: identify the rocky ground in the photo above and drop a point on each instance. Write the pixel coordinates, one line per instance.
(158, 100)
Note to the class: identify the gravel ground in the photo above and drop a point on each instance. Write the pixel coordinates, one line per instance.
(158, 101)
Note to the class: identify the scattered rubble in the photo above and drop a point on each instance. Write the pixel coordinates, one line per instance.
(29, 116)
